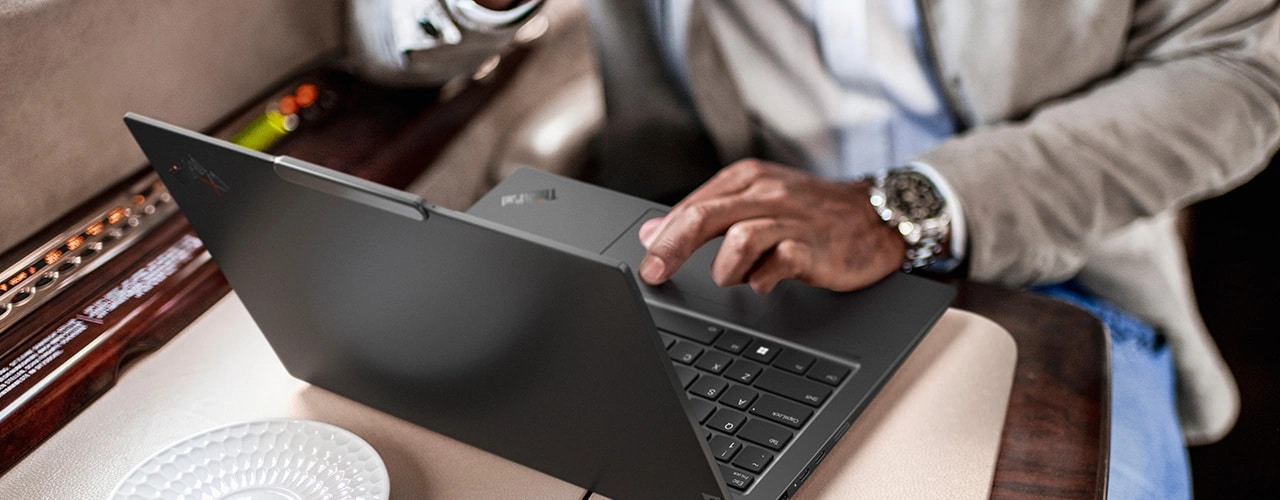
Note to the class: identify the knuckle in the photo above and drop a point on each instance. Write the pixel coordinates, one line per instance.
(751, 168)
(792, 256)
(774, 189)
(740, 235)
(699, 215)
(788, 250)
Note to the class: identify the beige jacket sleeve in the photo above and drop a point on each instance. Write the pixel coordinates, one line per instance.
(1192, 111)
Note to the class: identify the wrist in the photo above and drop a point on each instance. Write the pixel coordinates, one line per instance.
(953, 257)
(911, 203)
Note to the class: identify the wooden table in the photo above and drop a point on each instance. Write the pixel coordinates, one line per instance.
(1057, 429)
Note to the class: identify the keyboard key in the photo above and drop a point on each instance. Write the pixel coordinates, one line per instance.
(753, 459)
(763, 351)
(714, 361)
(708, 387)
(685, 326)
(765, 434)
(830, 372)
(738, 397)
(781, 411)
(743, 371)
(791, 386)
(724, 448)
(733, 341)
(735, 478)
(727, 421)
(668, 340)
(701, 409)
(685, 374)
(794, 361)
(684, 352)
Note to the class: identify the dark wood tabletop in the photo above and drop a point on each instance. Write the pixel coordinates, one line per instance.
(1057, 428)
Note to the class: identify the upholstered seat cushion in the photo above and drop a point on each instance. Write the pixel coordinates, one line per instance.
(72, 68)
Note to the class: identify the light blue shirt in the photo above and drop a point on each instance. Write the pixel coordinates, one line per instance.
(845, 82)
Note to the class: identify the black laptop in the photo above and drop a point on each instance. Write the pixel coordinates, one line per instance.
(519, 327)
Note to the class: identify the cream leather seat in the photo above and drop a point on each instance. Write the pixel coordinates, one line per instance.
(72, 68)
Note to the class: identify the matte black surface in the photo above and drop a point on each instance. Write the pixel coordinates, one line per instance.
(528, 348)
(875, 328)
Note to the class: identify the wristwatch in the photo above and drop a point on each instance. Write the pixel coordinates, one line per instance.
(909, 202)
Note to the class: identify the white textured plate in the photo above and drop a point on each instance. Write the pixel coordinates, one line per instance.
(263, 460)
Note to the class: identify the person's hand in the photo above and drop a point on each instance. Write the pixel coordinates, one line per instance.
(778, 223)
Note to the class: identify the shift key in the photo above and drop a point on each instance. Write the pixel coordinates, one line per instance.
(791, 386)
(781, 411)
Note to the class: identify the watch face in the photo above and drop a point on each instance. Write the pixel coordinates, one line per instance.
(913, 196)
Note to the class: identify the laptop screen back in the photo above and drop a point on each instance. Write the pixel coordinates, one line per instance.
(530, 349)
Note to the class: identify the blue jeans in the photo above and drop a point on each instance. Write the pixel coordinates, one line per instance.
(1148, 455)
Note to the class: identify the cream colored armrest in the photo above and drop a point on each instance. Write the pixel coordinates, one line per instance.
(932, 432)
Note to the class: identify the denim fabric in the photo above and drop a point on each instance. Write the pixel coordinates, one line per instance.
(1148, 455)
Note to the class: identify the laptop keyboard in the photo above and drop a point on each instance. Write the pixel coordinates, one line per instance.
(752, 396)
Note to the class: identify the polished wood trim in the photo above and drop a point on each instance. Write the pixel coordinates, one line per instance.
(131, 331)
(1057, 429)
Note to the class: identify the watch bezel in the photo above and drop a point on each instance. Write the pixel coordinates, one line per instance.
(925, 238)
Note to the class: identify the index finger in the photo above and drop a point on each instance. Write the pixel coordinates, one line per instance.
(688, 228)
(732, 179)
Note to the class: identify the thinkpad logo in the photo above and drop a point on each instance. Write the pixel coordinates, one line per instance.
(539, 196)
(190, 172)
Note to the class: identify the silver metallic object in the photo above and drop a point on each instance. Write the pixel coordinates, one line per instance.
(910, 203)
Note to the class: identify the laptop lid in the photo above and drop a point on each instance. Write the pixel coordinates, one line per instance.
(525, 347)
